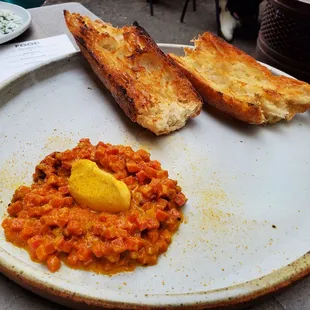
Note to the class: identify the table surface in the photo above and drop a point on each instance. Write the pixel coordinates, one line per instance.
(13, 296)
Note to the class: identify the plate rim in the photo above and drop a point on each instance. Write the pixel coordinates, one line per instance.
(227, 296)
(18, 31)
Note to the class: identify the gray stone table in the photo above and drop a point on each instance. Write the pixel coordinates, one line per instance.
(48, 21)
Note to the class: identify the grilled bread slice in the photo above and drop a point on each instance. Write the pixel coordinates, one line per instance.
(146, 84)
(235, 83)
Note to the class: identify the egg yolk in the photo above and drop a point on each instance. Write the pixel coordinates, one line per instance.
(96, 189)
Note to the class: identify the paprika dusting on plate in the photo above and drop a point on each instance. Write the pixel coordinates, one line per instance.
(53, 227)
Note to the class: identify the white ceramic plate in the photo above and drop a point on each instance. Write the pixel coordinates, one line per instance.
(22, 13)
(247, 228)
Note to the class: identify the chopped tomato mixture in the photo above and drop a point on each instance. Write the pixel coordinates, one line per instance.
(46, 221)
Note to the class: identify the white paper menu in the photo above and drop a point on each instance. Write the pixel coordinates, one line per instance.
(18, 57)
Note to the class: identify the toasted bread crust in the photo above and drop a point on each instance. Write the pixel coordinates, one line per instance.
(238, 85)
(145, 83)
(110, 81)
(241, 110)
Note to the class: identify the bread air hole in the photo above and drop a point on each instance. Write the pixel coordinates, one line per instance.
(109, 44)
(147, 61)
